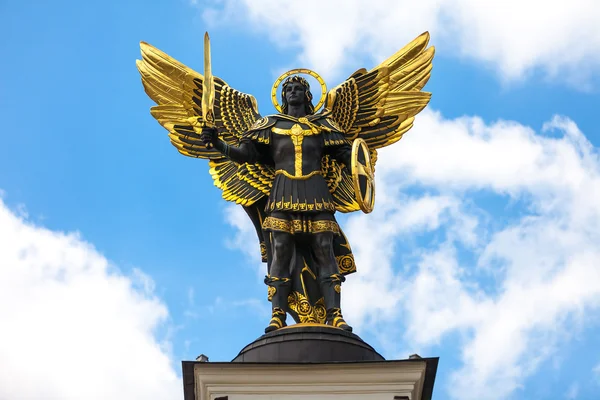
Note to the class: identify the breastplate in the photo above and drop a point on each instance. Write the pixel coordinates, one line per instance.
(297, 134)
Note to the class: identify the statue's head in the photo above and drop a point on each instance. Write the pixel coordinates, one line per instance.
(296, 91)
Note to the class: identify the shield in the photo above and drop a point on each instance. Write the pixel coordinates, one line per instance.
(363, 176)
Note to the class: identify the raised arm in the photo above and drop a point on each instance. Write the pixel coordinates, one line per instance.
(246, 152)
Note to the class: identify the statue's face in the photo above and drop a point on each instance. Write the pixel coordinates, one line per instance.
(295, 93)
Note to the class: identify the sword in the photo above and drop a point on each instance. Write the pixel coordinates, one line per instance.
(208, 90)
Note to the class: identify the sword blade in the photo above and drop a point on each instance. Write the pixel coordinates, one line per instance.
(208, 87)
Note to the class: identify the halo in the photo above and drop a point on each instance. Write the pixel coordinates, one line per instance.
(298, 71)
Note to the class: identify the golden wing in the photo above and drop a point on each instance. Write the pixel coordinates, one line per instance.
(379, 106)
(177, 91)
(242, 184)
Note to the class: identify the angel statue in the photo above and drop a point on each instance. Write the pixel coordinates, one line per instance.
(293, 170)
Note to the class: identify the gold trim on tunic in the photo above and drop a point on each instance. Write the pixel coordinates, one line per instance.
(298, 177)
(281, 205)
(346, 263)
(300, 226)
(296, 133)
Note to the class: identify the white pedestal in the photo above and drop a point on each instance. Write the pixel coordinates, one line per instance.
(385, 380)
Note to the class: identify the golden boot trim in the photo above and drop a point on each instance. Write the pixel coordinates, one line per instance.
(270, 292)
(336, 318)
(278, 319)
(276, 322)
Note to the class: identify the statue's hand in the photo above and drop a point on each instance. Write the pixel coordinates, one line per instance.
(209, 137)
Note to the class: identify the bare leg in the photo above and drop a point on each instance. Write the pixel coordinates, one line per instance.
(330, 279)
(279, 281)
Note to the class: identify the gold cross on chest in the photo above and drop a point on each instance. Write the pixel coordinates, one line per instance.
(297, 133)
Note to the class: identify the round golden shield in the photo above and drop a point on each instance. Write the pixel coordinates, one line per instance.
(363, 176)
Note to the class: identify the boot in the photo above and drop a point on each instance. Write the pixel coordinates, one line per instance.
(279, 289)
(331, 287)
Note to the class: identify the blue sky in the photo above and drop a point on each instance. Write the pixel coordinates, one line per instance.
(483, 249)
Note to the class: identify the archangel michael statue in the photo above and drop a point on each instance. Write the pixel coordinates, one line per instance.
(293, 170)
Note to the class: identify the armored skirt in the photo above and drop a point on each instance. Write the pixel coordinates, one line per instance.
(300, 205)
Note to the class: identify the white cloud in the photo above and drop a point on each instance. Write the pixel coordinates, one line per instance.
(245, 238)
(513, 37)
(542, 263)
(73, 326)
(371, 294)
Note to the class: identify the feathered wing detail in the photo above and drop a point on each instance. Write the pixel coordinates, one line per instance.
(259, 176)
(340, 185)
(332, 172)
(177, 91)
(242, 184)
(379, 106)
